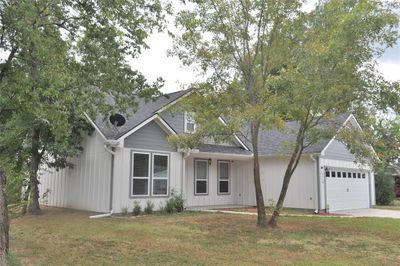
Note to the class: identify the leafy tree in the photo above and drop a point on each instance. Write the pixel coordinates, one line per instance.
(268, 62)
(64, 58)
(240, 45)
(384, 186)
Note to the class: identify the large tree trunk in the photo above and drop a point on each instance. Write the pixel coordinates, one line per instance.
(34, 206)
(4, 222)
(261, 221)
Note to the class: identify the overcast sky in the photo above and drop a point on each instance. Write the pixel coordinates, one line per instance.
(154, 62)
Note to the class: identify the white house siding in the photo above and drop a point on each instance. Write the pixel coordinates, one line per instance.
(301, 192)
(238, 172)
(122, 179)
(244, 183)
(86, 185)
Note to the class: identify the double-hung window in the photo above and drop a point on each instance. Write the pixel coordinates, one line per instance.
(150, 174)
(190, 123)
(223, 177)
(160, 175)
(201, 177)
(141, 174)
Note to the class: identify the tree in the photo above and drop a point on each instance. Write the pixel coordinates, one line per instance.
(240, 45)
(4, 223)
(268, 62)
(64, 59)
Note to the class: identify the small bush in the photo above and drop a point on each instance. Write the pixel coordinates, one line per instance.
(384, 184)
(124, 211)
(175, 203)
(170, 205)
(136, 208)
(149, 207)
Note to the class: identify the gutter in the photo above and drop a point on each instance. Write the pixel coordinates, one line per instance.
(109, 146)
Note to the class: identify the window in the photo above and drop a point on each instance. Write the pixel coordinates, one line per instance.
(333, 174)
(358, 175)
(327, 174)
(190, 123)
(349, 174)
(150, 172)
(344, 174)
(339, 174)
(354, 175)
(363, 176)
(201, 177)
(140, 174)
(160, 175)
(223, 177)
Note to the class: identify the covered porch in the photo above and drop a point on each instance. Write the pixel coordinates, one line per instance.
(218, 176)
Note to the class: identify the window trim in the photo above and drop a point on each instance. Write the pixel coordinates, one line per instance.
(140, 177)
(186, 122)
(159, 178)
(196, 179)
(226, 180)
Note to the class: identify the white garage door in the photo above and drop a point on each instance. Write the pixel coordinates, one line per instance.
(347, 189)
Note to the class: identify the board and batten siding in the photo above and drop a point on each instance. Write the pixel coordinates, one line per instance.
(122, 179)
(86, 186)
(302, 188)
(150, 136)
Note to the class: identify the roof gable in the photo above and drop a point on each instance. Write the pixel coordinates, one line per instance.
(146, 112)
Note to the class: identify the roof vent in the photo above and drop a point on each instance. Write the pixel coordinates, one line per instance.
(117, 120)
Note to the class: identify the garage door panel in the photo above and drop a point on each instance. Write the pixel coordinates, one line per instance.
(347, 193)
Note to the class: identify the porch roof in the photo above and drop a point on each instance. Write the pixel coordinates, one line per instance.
(212, 148)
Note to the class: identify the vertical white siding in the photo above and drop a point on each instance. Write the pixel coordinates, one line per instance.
(212, 198)
(122, 180)
(301, 192)
(244, 183)
(86, 186)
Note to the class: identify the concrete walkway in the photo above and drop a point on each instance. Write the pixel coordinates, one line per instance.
(371, 213)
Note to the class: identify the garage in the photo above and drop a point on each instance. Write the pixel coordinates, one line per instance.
(347, 189)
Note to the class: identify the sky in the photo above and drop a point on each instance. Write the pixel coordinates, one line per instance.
(154, 62)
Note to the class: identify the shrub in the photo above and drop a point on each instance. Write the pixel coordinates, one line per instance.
(124, 211)
(384, 184)
(170, 205)
(175, 203)
(136, 208)
(149, 207)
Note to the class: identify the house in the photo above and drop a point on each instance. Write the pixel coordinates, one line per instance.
(132, 161)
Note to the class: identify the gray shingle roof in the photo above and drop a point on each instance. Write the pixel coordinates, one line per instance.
(275, 142)
(213, 148)
(144, 111)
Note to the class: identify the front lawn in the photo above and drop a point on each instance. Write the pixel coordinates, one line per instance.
(64, 237)
(395, 206)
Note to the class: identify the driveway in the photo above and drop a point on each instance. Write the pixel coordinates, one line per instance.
(371, 213)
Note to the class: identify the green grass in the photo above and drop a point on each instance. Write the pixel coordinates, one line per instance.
(395, 205)
(64, 237)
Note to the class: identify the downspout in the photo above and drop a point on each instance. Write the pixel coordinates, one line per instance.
(318, 194)
(112, 152)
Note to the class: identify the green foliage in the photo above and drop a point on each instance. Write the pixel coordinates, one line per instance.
(384, 187)
(269, 62)
(62, 59)
(137, 209)
(124, 211)
(175, 203)
(149, 207)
